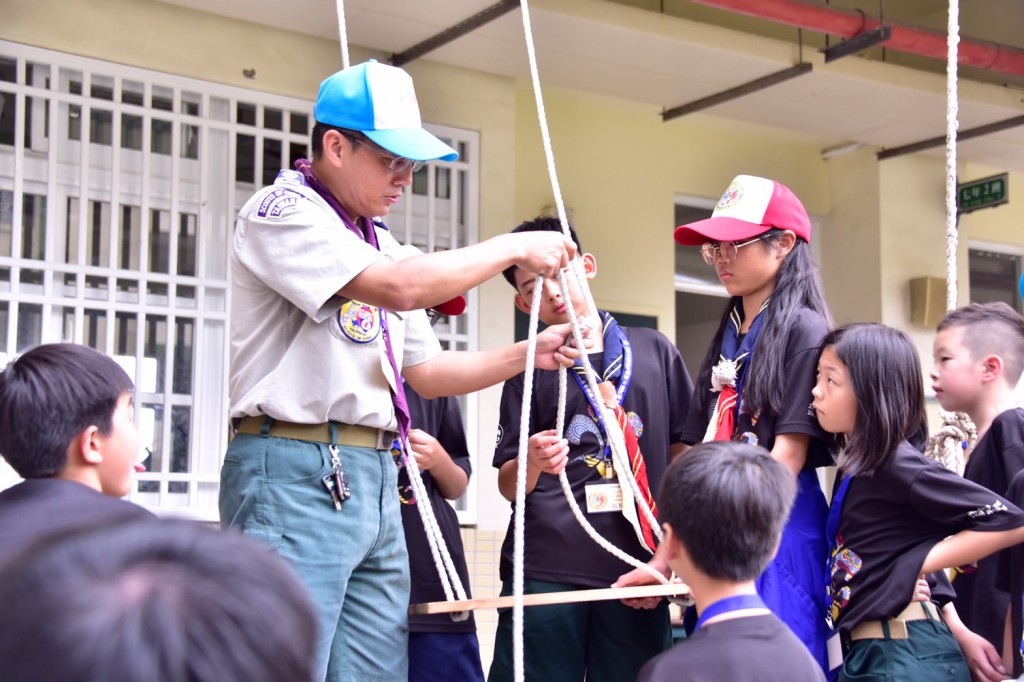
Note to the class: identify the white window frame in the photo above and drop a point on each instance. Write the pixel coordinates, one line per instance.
(206, 187)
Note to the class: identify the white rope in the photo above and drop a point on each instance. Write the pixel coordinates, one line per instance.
(952, 43)
(342, 34)
(519, 521)
(614, 432)
(435, 539)
(952, 443)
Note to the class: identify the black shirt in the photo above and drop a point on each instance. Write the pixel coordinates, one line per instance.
(557, 549)
(801, 352)
(41, 506)
(751, 649)
(442, 419)
(996, 459)
(1011, 580)
(889, 522)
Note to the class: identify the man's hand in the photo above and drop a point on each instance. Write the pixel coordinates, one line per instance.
(547, 452)
(425, 448)
(543, 253)
(556, 346)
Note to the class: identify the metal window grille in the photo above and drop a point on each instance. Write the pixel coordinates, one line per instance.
(118, 192)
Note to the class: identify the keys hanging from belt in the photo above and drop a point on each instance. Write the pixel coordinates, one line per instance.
(336, 482)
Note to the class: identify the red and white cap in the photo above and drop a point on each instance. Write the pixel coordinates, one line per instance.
(749, 207)
(455, 306)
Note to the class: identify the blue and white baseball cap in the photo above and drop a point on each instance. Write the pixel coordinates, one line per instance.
(379, 101)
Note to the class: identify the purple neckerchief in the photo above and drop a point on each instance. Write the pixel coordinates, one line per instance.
(369, 235)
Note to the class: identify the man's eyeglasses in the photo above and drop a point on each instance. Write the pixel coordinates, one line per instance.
(712, 251)
(396, 164)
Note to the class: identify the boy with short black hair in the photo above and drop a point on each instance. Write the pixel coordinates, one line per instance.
(66, 426)
(723, 506)
(979, 356)
(645, 385)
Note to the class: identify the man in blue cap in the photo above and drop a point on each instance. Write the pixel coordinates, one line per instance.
(326, 316)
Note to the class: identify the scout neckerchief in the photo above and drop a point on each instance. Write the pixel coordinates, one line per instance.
(727, 376)
(739, 602)
(369, 235)
(618, 370)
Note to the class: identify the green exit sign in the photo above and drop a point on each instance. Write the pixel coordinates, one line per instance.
(983, 193)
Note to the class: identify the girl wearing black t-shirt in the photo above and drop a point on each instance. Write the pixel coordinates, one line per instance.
(895, 514)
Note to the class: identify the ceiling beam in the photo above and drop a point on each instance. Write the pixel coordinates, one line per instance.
(960, 136)
(454, 32)
(739, 91)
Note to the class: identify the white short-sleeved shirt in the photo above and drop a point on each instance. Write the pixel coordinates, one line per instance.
(300, 352)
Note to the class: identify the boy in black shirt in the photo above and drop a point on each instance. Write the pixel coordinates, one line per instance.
(644, 380)
(723, 505)
(979, 355)
(67, 427)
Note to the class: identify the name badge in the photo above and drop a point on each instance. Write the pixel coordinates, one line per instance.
(603, 497)
(360, 322)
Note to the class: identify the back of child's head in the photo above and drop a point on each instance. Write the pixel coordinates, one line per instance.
(163, 601)
(727, 503)
(48, 396)
(991, 329)
(542, 223)
(884, 371)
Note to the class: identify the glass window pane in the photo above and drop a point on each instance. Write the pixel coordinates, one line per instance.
(6, 221)
(246, 113)
(8, 70)
(187, 244)
(155, 347)
(151, 429)
(299, 124)
(245, 159)
(126, 333)
(97, 287)
(273, 119)
(7, 118)
(97, 244)
(442, 183)
(295, 152)
(129, 246)
(161, 132)
(181, 423)
(33, 227)
(4, 321)
(159, 241)
(163, 98)
(30, 326)
(133, 92)
(184, 330)
(271, 160)
(189, 141)
(94, 328)
(131, 132)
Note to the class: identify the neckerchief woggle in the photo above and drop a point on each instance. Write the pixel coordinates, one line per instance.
(368, 235)
(734, 358)
(739, 602)
(618, 369)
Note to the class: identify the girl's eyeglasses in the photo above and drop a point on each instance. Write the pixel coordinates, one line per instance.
(712, 251)
(396, 164)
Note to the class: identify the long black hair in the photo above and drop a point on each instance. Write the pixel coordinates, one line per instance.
(798, 285)
(885, 373)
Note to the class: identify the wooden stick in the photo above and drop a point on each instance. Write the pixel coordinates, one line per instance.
(568, 597)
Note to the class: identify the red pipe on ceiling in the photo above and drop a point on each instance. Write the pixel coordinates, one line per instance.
(821, 18)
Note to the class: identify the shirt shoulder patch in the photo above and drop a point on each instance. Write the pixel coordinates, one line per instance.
(276, 201)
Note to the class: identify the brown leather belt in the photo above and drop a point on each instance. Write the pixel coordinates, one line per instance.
(347, 434)
(873, 629)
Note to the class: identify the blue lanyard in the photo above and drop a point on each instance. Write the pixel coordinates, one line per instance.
(624, 379)
(835, 511)
(738, 603)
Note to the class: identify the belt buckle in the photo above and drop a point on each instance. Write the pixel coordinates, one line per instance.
(385, 439)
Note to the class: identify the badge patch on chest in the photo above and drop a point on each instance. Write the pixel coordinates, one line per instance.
(359, 322)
